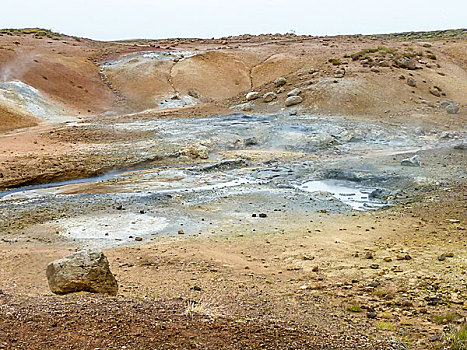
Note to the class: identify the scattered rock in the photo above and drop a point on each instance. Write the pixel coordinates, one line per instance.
(86, 270)
(270, 96)
(252, 96)
(138, 239)
(245, 107)
(294, 92)
(280, 81)
(406, 62)
(387, 259)
(442, 257)
(315, 268)
(263, 215)
(374, 266)
(452, 108)
(435, 91)
(411, 82)
(196, 151)
(293, 100)
(339, 73)
(181, 232)
(374, 69)
(368, 255)
(371, 314)
(413, 161)
(449, 255)
(194, 93)
(293, 111)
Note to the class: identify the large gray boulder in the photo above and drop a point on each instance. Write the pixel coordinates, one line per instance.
(86, 270)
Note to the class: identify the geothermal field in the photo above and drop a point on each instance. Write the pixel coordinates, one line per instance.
(248, 192)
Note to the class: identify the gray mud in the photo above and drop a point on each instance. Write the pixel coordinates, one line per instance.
(227, 171)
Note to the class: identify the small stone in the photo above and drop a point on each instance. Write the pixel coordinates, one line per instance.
(374, 284)
(138, 239)
(387, 259)
(263, 215)
(294, 92)
(315, 268)
(270, 96)
(371, 314)
(181, 232)
(397, 269)
(413, 161)
(280, 81)
(252, 96)
(293, 100)
(196, 288)
(411, 82)
(339, 73)
(368, 255)
(374, 266)
(245, 107)
(374, 69)
(442, 257)
(435, 91)
(452, 108)
(449, 255)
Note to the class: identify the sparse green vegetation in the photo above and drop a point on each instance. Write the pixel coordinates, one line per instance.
(385, 326)
(38, 32)
(380, 51)
(456, 339)
(354, 308)
(335, 61)
(432, 57)
(444, 318)
(449, 33)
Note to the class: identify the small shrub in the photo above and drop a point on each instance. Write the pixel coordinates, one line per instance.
(354, 308)
(456, 338)
(385, 326)
(432, 57)
(445, 318)
(335, 61)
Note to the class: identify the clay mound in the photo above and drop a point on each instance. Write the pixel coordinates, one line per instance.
(142, 84)
(275, 66)
(72, 81)
(10, 120)
(214, 75)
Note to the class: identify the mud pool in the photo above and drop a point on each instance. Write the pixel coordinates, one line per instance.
(223, 172)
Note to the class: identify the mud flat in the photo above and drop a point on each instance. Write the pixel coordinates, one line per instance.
(226, 171)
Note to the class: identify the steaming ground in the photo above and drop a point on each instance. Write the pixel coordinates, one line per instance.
(235, 165)
(276, 227)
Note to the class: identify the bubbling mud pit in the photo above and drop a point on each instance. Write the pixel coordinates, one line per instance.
(227, 173)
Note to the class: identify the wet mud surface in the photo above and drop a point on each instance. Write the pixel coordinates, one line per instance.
(229, 171)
